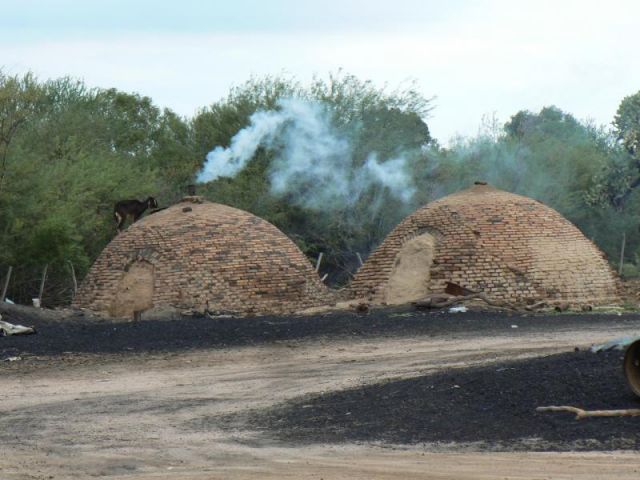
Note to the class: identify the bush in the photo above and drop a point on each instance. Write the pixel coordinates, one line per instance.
(630, 270)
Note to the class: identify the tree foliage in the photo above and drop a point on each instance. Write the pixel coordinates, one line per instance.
(20, 99)
(627, 123)
(618, 180)
(372, 120)
(68, 152)
(75, 151)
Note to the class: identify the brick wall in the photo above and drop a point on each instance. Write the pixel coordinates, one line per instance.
(206, 255)
(511, 247)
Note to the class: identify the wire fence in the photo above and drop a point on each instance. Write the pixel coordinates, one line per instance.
(51, 285)
(55, 285)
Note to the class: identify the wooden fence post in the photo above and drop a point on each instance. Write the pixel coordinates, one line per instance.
(44, 277)
(6, 284)
(624, 240)
(75, 280)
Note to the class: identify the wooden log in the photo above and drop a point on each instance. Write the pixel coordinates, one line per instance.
(432, 302)
(537, 306)
(562, 307)
(580, 413)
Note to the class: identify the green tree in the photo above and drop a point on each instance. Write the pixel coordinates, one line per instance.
(76, 152)
(619, 179)
(371, 119)
(20, 99)
(627, 124)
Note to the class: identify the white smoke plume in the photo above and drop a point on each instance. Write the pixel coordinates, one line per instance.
(313, 164)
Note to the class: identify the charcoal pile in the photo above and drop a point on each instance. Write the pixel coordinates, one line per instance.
(491, 407)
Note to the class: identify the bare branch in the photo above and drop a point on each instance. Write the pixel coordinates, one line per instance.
(580, 413)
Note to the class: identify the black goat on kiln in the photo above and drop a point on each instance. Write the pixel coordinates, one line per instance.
(132, 208)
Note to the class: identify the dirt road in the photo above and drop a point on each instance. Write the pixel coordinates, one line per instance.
(142, 415)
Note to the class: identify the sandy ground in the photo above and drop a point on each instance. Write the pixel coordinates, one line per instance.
(149, 416)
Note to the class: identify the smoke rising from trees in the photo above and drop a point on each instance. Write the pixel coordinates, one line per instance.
(335, 165)
(314, 165)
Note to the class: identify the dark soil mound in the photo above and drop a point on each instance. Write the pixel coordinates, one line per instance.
(494, 405)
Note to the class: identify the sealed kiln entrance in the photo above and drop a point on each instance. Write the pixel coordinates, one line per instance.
(410, 277)
(135, 290)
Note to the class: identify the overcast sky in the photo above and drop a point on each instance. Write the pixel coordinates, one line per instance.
(476, 57)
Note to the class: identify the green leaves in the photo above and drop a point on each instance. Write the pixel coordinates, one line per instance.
(73, 153)
(69, 152)
(373, 121)
(20, 99)
(627, 123)
(619, 177)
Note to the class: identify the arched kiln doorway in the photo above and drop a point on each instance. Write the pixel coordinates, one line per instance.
(411, 273)
(135, 290)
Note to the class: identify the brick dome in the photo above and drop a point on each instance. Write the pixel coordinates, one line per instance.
(201, 255)
(510, 247)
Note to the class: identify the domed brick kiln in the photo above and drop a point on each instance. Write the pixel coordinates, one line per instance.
(201, 255)
(512, 248)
